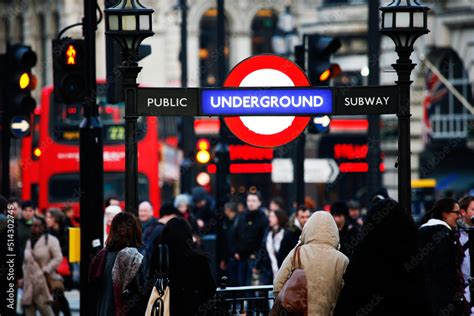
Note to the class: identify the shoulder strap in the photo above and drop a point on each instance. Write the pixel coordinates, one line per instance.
(296, 263)
(164, 264)
(466, 245)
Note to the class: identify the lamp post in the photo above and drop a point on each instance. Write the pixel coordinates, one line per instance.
(404, 21)
(129, 23)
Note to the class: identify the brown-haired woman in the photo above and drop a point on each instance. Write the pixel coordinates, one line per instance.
(267, 258)
(118, 271)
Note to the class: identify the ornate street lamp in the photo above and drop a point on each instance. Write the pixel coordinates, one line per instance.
(129, 23)
(404, 21)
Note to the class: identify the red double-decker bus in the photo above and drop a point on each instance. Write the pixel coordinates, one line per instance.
(50, 155)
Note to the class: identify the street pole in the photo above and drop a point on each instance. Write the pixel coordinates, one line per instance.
(222, 185)
(374, 177)
(130, 70)
(5, 133)
(221, 154)
(299, 168)
(184, 43)
(404, 67)
(186, 174)
(91, 167)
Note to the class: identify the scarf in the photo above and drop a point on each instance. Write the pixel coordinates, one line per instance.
(125, 268)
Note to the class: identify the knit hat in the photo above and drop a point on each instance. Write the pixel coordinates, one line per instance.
(339, 208)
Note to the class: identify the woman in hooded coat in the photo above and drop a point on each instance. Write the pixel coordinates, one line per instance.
(323, 264)
(384, 276)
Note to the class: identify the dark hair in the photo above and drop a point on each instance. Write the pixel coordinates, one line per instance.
(465, 201)
(257, 194)
(13, 200)
(231, 206)
(339, 208)
(278, 201)
(383, 224)
(26, 204)
(45, 228)
(177, 234)
(167, 209)
(440, 207)
(282, 218)
(107, 200)
(3, 204)
(302, 208)
(67, 208)
(58, 216)
(125, 231)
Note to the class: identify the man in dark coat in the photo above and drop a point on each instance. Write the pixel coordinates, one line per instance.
(203, 209)
(145, 215)
(293, 233)
(347, 232)
(249, 232)
(167, 212)
(227, 243)
(24, 226)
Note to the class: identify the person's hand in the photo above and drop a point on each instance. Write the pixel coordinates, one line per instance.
(254, 270)
(200, 223)
(237, 256)
(222, 265)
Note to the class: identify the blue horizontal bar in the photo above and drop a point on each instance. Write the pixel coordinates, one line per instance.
(266, 101)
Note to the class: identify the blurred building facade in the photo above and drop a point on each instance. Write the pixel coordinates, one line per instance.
(438, 116)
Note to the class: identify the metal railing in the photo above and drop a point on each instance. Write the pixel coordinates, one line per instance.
(244, 300)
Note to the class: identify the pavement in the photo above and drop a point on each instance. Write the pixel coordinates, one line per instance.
(73, 299)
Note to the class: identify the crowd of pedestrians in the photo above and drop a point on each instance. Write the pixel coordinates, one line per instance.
(43, 272)
(372, 262)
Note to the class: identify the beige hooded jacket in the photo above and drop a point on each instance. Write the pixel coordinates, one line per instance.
(323, 263)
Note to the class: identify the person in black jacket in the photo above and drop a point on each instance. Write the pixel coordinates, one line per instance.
(442, 260)
(249, 233)
(191, 282)
(293, 232)
(381, 278)
(347, 231)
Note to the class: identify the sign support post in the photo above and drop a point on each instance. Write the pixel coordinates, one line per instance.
(404, 67)
(374, 176)
(91, 166)
(299, 168)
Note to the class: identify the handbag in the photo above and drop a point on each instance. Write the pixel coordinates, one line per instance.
(63, 268)
(293, 297)
(55, 283)
(159, 301)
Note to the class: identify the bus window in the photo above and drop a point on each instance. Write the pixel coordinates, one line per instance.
(65, 120)
(65, 187)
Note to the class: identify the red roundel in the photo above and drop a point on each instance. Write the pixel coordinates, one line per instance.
(266, 70)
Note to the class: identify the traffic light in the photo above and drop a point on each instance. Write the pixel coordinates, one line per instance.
(69, 70)
(21, 81)
(319, 49)
(203, 154)
(203, 157)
